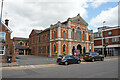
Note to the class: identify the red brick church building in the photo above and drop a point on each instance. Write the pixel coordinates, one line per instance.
(62, 38)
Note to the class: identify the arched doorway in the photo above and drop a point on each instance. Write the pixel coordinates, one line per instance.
(73, 50)
(84, 51)
(79, 48)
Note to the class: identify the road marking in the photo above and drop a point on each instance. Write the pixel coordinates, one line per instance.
(30, 66)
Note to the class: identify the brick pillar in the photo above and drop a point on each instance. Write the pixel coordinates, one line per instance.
(69, 49)
(59, 33)
(24, 52)
(50, 50)
(59, 48)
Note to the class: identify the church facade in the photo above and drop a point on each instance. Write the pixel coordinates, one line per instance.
(64, 38)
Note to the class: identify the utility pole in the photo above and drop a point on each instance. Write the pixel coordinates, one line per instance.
(1, 15)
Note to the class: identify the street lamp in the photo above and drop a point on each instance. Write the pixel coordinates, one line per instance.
(104, 45)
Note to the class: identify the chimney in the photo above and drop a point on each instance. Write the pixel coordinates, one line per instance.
(78, 14)
(6, 22)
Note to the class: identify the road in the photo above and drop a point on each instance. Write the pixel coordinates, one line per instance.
(98, 69)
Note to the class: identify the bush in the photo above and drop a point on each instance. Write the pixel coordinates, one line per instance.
(80, 55)
(64, 53)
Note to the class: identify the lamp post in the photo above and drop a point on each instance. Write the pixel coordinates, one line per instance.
(104, 45)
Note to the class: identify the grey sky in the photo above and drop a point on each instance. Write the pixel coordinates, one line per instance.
(25, 15)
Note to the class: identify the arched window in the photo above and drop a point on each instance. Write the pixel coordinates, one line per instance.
(63, 34)
(48, 37)
(78, 31)
(39, 39)
(26, 44)
(43, 38)
(89, 38)
(21, 43)
(73, 34)
(54, 48)
(64, 48)
(84, 35)
(54, 34)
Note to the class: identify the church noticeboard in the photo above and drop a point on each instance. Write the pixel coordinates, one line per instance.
(2, 37)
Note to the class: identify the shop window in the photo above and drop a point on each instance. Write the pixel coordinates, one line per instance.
(1, 50)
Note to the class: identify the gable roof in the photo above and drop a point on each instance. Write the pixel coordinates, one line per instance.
(34, 32)
(78, 19)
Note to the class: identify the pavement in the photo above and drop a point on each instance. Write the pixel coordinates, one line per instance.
(24, 60)
(32, 61)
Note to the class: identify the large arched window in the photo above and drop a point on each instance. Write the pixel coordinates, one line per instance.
(54, 34)
(64, 48)
(73, 34)
(63, 34)
(54, 48)
(78, 31)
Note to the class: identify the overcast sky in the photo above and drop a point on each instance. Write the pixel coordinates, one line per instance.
(25, 15)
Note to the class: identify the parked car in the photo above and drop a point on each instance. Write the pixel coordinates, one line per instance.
(68, 60)
(92, 56)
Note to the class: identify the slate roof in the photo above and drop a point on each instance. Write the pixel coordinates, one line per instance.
(45, 30)
(20, 39)
(37, 31)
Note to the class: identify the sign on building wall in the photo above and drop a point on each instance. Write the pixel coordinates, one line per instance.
(76, 52)
(90, 48)
(2, 40)
(2, 37)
